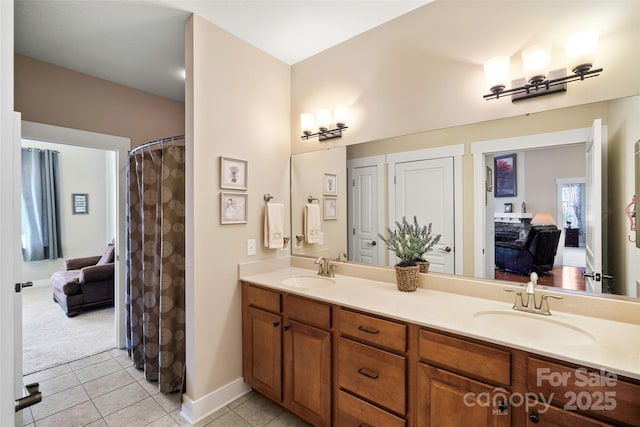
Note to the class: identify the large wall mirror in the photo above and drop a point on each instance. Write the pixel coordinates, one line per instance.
(435, 176)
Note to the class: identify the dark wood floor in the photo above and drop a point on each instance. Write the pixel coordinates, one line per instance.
(561, 277)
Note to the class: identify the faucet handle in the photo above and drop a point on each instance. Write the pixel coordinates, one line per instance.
(518, 297)
(544, 304)
(330, 271)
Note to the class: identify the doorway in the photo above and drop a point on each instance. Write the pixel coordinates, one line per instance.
(543, 195)
(115, 151)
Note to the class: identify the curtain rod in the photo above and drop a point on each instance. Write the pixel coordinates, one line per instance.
(159, 141)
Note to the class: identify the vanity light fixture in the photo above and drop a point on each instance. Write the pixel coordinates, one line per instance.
(539, 80)
(323, 120)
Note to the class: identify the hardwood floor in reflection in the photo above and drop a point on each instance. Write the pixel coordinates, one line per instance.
(561, 277)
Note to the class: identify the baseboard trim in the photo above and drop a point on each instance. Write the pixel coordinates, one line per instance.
(196, 410)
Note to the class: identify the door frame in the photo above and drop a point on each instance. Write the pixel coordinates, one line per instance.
(121, 146)
(518, 143)
(456, 152)
(379, 162)
(8, 149)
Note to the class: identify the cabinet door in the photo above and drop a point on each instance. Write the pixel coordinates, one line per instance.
(307, 364)
(262, 364)
(550, 416)
(446, 399)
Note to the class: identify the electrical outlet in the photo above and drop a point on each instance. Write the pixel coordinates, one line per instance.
(251, 247)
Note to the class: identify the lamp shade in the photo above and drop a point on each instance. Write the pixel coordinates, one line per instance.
(307, 123)
(496, 73)
(323, 119)
(340, 116)
(535, 62)
(580, 49)
(542, 218)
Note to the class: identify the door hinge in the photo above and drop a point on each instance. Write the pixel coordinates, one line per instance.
(353, 182)
(354, 231)
(394, 180)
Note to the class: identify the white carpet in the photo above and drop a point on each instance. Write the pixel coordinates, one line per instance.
(50, 338)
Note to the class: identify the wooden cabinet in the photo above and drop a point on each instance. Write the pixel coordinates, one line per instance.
(286, 356)
(335, 366)
(372, 370)
(461, 382)
(575, 391)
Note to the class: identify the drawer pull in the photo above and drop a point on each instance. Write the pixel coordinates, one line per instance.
(368, 330)
(363, 424)
(369, 374)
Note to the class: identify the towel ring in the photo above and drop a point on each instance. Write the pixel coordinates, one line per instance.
(310, 199)
(267, 197)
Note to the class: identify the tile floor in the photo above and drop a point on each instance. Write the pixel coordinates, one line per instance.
(106, 390)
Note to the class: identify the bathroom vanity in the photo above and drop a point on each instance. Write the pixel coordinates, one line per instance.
(352, 351)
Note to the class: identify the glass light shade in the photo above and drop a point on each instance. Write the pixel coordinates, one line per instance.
(307, 123)
(496, 73)
(323, 119)
(340, 115)
(535, 62)
(581, 50)
(542, 218)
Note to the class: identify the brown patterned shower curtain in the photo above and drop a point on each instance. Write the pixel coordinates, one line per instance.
(155, 264)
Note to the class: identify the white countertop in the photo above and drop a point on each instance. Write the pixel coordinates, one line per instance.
(616, 347)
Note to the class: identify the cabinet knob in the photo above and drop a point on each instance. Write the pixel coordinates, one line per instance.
(276, 324)
(502, 407)
(286, 328)
(534, 417)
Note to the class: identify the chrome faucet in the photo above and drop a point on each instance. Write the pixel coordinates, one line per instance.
(531, 306)
(325, 268)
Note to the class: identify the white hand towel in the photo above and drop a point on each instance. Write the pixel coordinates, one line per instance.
(312, 222)
(273, 225)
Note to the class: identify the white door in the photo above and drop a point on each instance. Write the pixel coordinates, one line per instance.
(593, 214)
(424, 188)
(364, 215)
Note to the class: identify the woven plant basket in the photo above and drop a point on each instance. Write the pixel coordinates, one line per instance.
(424, 266)
(407, 278)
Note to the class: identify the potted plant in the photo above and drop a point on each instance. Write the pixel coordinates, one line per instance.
(409, 242)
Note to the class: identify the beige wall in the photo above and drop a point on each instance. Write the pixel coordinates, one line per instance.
(623, 132)
(82, 170)
(422, 71)
(307, 175)
(542, 168)
(47, 93)
(237, 102)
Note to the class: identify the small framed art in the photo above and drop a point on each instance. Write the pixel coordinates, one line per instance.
(330, 184)
(233, 173)
(505, 175)
(330, 205)
(233, 208)
(80, 203)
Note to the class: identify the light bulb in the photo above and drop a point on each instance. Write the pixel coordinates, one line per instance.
(535, 62)
(323, 119)
(340, 116)
(580, 50)
(307, 123)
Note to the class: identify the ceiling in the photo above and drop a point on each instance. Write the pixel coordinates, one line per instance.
(141, 43)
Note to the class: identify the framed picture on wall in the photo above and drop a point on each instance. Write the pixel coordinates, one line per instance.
(330, 210)
(233, 173)
(505, 175)
(330, 184)
(80, 203)
(233, 208)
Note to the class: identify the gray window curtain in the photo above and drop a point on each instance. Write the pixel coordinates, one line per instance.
(40, 205)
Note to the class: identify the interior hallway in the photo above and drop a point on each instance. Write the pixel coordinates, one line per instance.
(105, 390)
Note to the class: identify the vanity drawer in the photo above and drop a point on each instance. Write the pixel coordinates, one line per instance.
(307, 311)
(263, 298)
(353, 412)
(374, 374)
(586, 390)
(477, 360)
(373, 330)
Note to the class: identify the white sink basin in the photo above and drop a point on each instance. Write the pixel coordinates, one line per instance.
(308, 282)
(527, 327)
